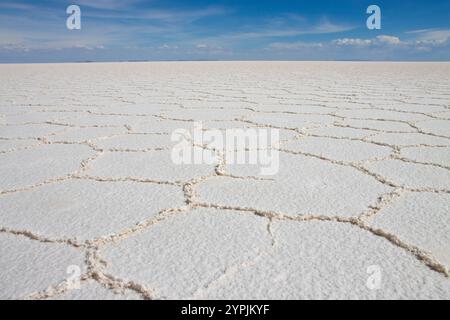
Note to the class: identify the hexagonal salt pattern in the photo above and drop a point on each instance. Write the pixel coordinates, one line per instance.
(357, 208)
(421, 218)
(338, 149)
(72, 208)
(152, 165)
(29, 167)
(170, 258)
(30, 131)
(413, 175)
(311, 259)
(303, 186)
(437, 127)
(430, 155)
(75, 135)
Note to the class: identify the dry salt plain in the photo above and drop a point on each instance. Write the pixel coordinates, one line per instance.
(87, 183)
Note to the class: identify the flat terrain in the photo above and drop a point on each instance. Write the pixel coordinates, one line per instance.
(360, 206)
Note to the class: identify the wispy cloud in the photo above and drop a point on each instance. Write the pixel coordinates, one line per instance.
(107, 4)
(16, 5)
(43, 28)
(431, 36)
(159, 14)
(279, 27)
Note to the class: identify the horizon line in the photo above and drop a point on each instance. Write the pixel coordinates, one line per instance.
(219, 60)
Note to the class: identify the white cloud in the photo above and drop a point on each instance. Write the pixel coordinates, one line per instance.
(391, 40)
(378, 41)
(424, 40)
(352, 42)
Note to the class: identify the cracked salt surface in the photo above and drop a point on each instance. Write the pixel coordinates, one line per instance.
(29, 265)
(92, 290)
(73, 208)
(26, 168)
(171, 256)
(297, 189)
(421, 218)
(338, 255)
(87, 180)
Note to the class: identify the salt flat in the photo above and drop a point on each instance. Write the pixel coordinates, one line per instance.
(359, 209)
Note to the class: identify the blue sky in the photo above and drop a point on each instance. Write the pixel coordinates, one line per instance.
(35, 31)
